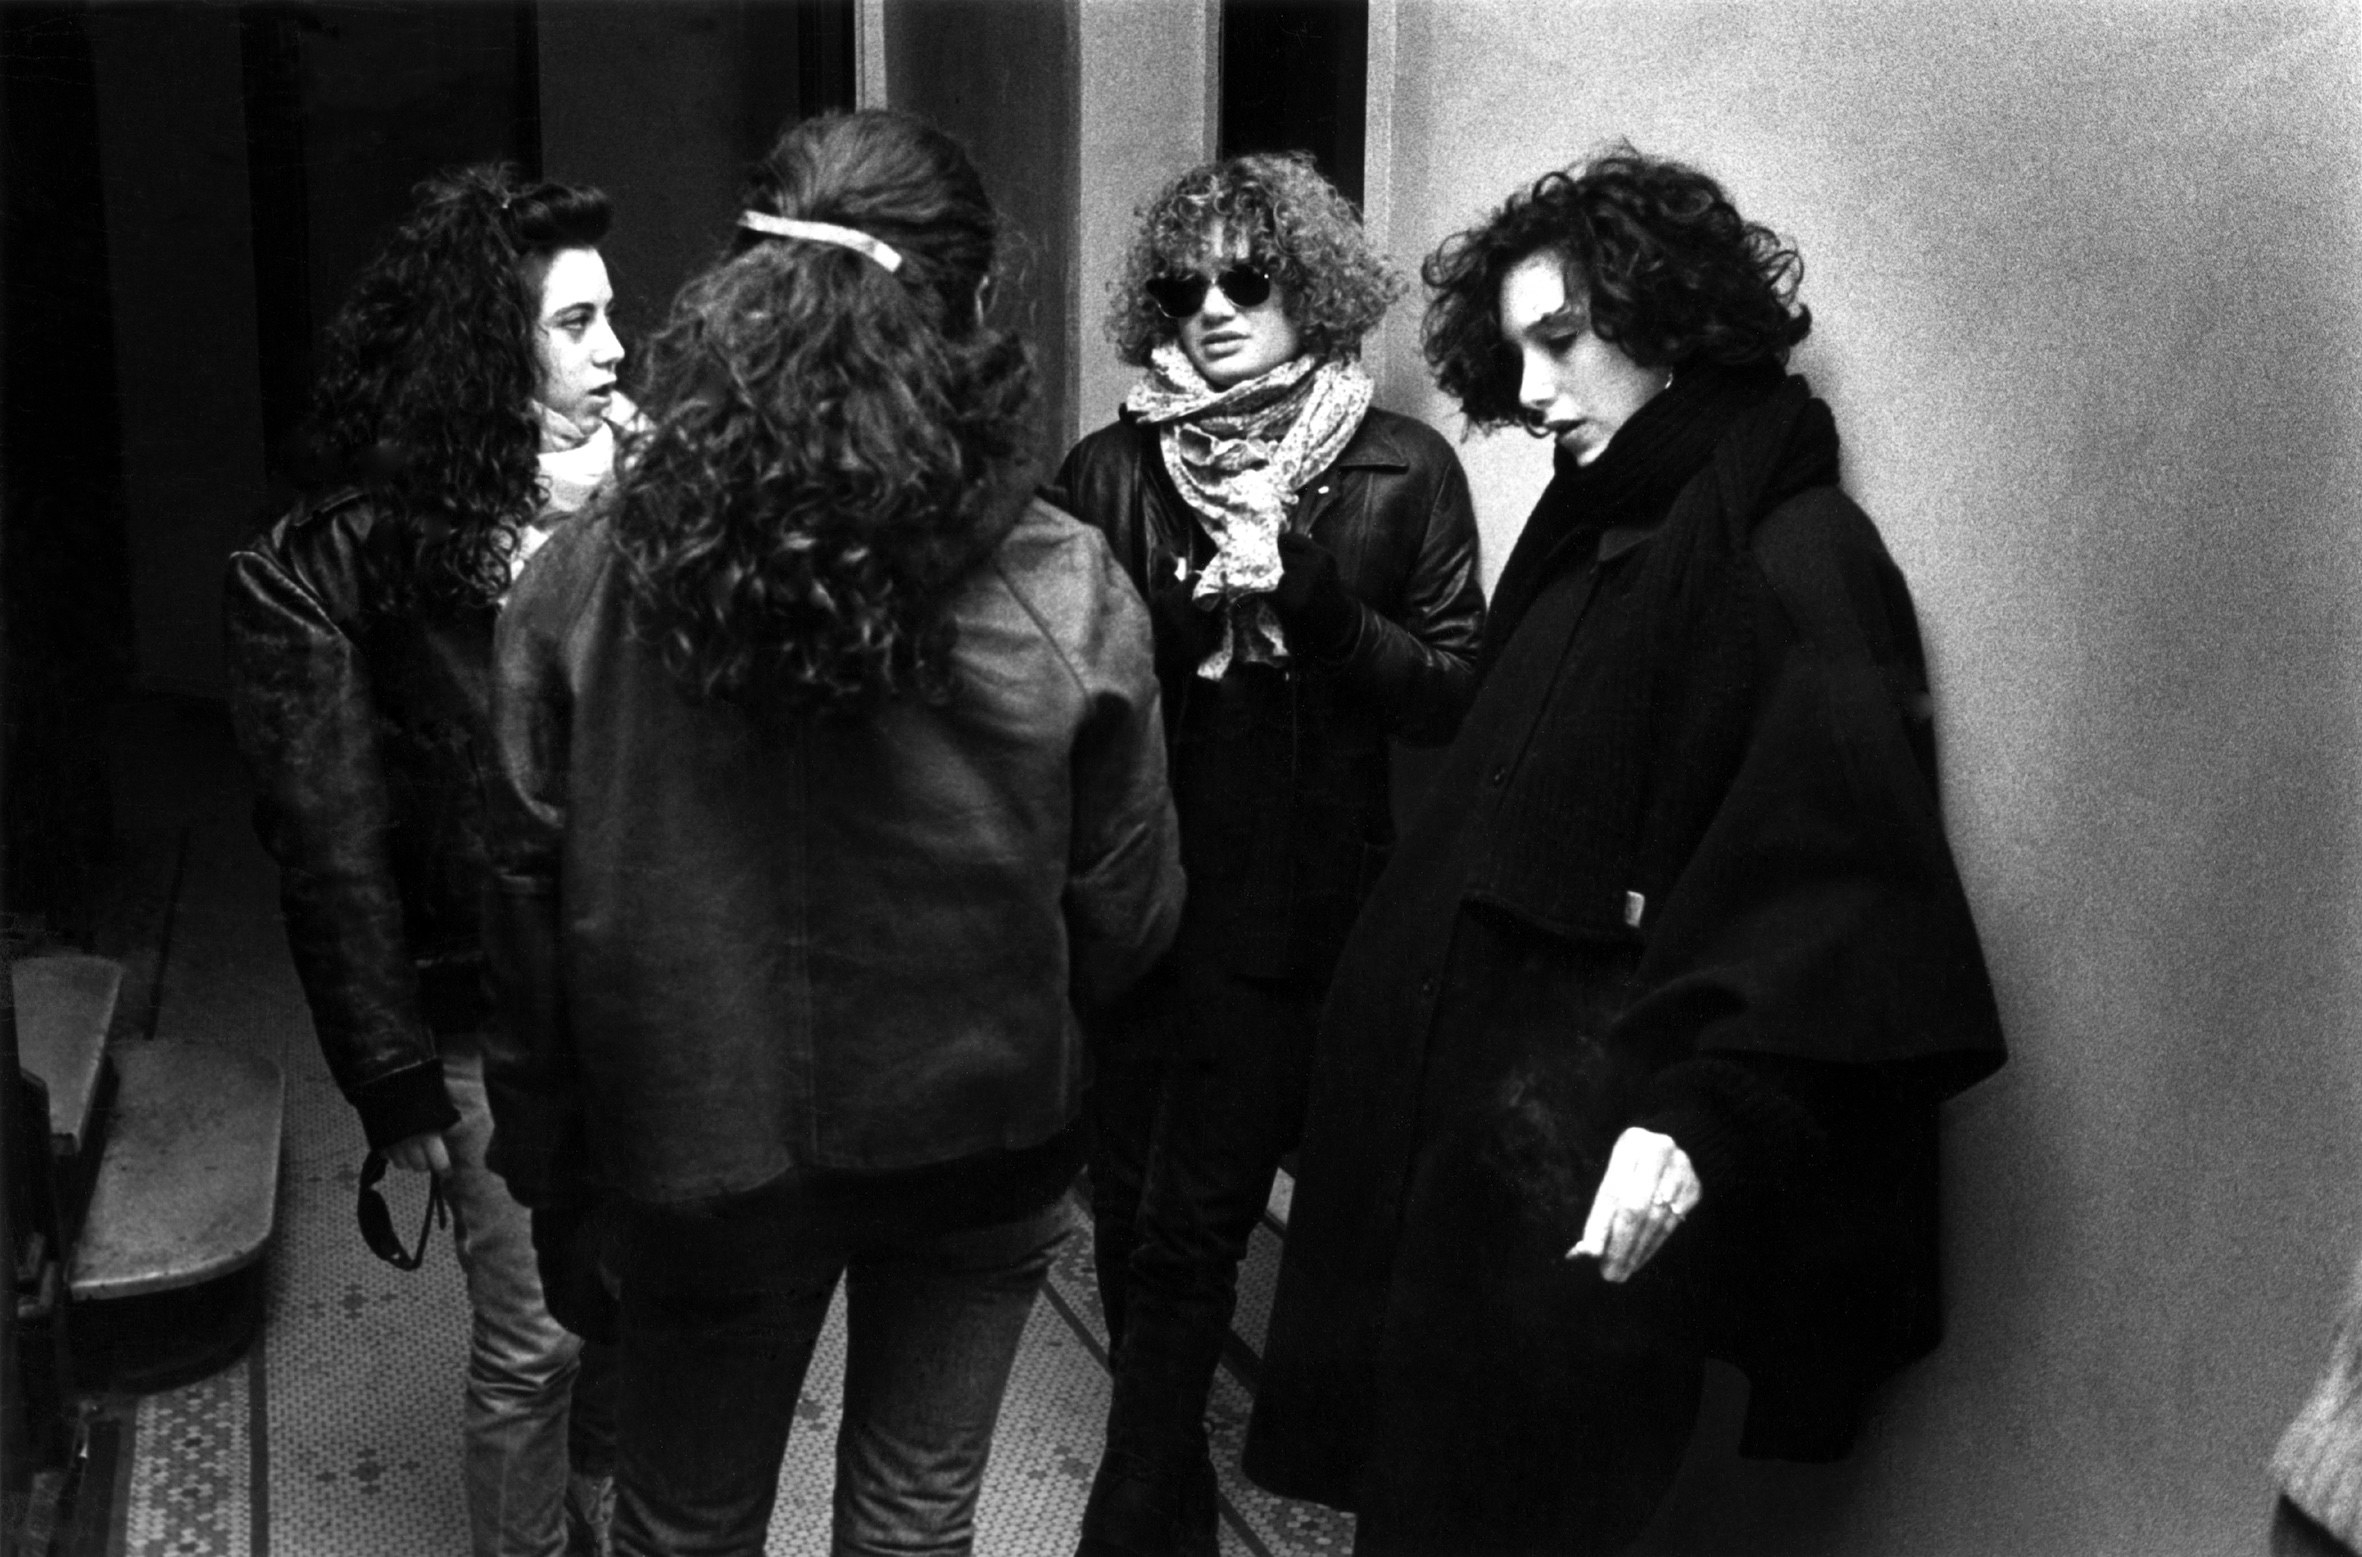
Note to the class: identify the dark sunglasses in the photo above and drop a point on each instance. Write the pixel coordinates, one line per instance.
(1181, 296)
(377, 1223)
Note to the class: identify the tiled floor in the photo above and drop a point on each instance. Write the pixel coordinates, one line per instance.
(338, 1436)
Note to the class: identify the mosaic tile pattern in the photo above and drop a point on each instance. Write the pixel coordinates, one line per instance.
(189, 1486)
(365, 1363)
(1258, 1284)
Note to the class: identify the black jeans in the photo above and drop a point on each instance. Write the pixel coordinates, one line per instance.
(1200, 1092)
(720, 1315)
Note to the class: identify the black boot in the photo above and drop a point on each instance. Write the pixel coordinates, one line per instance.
(1144, 1507)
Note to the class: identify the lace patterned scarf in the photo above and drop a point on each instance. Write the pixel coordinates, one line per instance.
(1239, 456)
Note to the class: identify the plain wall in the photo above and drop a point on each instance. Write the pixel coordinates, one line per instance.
(2089, 311)
(1147, 70)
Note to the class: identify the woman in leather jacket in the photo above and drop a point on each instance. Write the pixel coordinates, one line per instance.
(830, 779)
(467, 404)
(1310, 564)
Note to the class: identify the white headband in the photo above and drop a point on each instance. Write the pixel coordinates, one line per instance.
(823, 232)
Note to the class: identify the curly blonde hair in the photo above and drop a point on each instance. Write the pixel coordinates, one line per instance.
(1297, 228)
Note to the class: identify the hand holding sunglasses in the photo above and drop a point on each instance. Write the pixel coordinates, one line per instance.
(377, 1223)
(1180, 296)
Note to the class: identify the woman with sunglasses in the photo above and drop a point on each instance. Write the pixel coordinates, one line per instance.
(1636, 1051)
(466, 407)
(1310, 565)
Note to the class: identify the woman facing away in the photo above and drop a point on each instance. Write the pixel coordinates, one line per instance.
(1310, 563)
(1635, 1052)
(467, 405)
(831, 779)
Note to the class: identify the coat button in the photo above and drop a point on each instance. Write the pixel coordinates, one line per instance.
(1498, 775)
(1427, 987)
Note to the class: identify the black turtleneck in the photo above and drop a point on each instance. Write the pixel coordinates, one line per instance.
(1630, 485)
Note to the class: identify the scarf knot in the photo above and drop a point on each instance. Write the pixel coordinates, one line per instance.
(574, 464)
(1239, 456)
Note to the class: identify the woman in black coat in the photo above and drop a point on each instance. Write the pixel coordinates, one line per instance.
(1634, 1053)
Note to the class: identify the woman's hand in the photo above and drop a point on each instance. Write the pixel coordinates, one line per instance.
(420, 1153)
(1312, 598)
(1650, 1189)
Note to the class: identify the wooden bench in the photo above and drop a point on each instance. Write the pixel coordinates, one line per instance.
(179, 1177)
(188, 1188)
(64, 1005)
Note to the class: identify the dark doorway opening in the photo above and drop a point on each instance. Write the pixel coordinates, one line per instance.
(1294, 75)
(824, 56)
(64, 555)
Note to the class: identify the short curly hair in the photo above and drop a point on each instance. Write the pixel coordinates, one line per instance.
(1675, 277)
(1297, 227)
(426, 388)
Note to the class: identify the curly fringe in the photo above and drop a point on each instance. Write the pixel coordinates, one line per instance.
(1675, 276)
(835, 449)
(1297, 227)
(425, 395)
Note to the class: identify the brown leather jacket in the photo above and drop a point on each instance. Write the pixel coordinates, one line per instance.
(363, 726)
(730, 949)
(1283, 778)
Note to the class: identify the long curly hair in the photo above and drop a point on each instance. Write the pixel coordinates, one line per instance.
(1675, 277)
(425, 395)
(1297, 228)
(835, 446)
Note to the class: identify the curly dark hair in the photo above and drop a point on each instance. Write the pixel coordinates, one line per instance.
(425, 394)
(1675, 277)
(835, 446)
(1297, 228)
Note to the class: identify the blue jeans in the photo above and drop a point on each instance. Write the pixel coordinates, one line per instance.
(539, 1402)
(721, 1311)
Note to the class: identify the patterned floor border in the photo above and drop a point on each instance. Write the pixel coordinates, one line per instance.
(354, 1453)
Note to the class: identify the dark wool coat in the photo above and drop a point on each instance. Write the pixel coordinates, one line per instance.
(1683, 868)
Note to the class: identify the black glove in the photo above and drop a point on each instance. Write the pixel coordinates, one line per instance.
(1185, 633)
(567, 1242)
(1314, 606)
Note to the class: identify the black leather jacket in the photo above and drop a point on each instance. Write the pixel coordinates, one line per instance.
(1282, 776)
(731, 949)
(364, 729)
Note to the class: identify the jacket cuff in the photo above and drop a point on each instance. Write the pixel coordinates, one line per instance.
(409, 1102)
(1740, 1131)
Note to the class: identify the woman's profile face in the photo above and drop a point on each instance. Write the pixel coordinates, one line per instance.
(1226, 341)
(1579, 387)
(574, 339)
